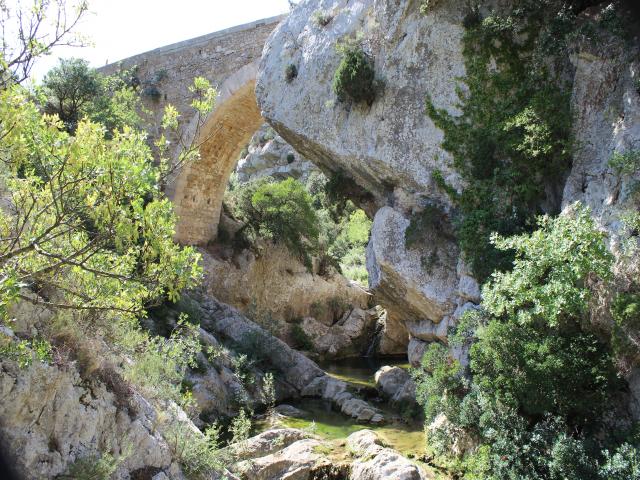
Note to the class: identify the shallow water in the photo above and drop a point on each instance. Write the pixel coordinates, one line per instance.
(407, 438)
(360, 371)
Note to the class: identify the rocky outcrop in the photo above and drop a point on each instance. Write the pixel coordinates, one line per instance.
(350, 336)
(396, 384)
(300, 373)
(276, 287)
(50, 418)
(390, 148)
(268, 155)
(376, 462)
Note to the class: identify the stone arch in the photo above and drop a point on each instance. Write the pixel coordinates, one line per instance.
(200, 186)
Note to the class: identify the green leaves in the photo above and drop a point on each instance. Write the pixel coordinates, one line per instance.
(88, 220)
(354, 77)
(551, 268)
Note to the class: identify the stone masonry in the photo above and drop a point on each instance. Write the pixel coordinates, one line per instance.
(228, 59)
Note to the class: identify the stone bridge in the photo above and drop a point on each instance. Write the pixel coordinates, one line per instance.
(229, 59)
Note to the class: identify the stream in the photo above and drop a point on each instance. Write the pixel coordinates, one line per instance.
(405, 437)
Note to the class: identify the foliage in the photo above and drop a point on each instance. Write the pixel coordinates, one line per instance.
(281, 212)
(348, 247)
(94, 467)
(29, 33)
(354, 77)
(541, 380)
(437, 391)
(240, 429)
(627, 163)
(513, 138)
(24, 351)
(80, 225)
(268, 391)
(198, 453)
(159, 364)
(290, 73)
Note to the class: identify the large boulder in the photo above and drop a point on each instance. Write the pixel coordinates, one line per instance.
(268, 155)
(351, 336)
(376, 462)
(396, 384)
(295, 462)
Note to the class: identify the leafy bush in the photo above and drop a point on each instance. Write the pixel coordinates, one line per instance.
(24, 351)
(627, 163)
(354, 77)
(93, 467)
(290, 73)
(281, 212)
(199, 454)
(541, 380)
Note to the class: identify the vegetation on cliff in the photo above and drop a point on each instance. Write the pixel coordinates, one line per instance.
(553, 336)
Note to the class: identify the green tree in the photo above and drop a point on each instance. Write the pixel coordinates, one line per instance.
(281, 212)
(69, 88)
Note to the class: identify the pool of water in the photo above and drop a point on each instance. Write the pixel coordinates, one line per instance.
(407, 438)
(360, 371)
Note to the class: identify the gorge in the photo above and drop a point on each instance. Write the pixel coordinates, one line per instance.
(373, 239)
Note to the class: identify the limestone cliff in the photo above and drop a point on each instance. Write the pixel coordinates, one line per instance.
(391, 148)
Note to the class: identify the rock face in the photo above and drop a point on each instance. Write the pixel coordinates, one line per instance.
(50, 417)
(390, 149)
(351, 336)
(270, 156)
(276, 286)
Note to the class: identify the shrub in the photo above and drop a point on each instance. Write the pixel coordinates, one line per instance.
(354, 77)
(513, 139)
(321, 18)
(291, 157)
(25, 351)
(199, 454)
(290, 73)
(93, 467)
(541, 380)
(627, 163)
(301, 338)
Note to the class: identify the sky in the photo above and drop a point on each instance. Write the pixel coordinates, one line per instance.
(122, 28)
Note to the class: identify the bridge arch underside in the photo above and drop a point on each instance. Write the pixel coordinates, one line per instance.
(201, 185)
